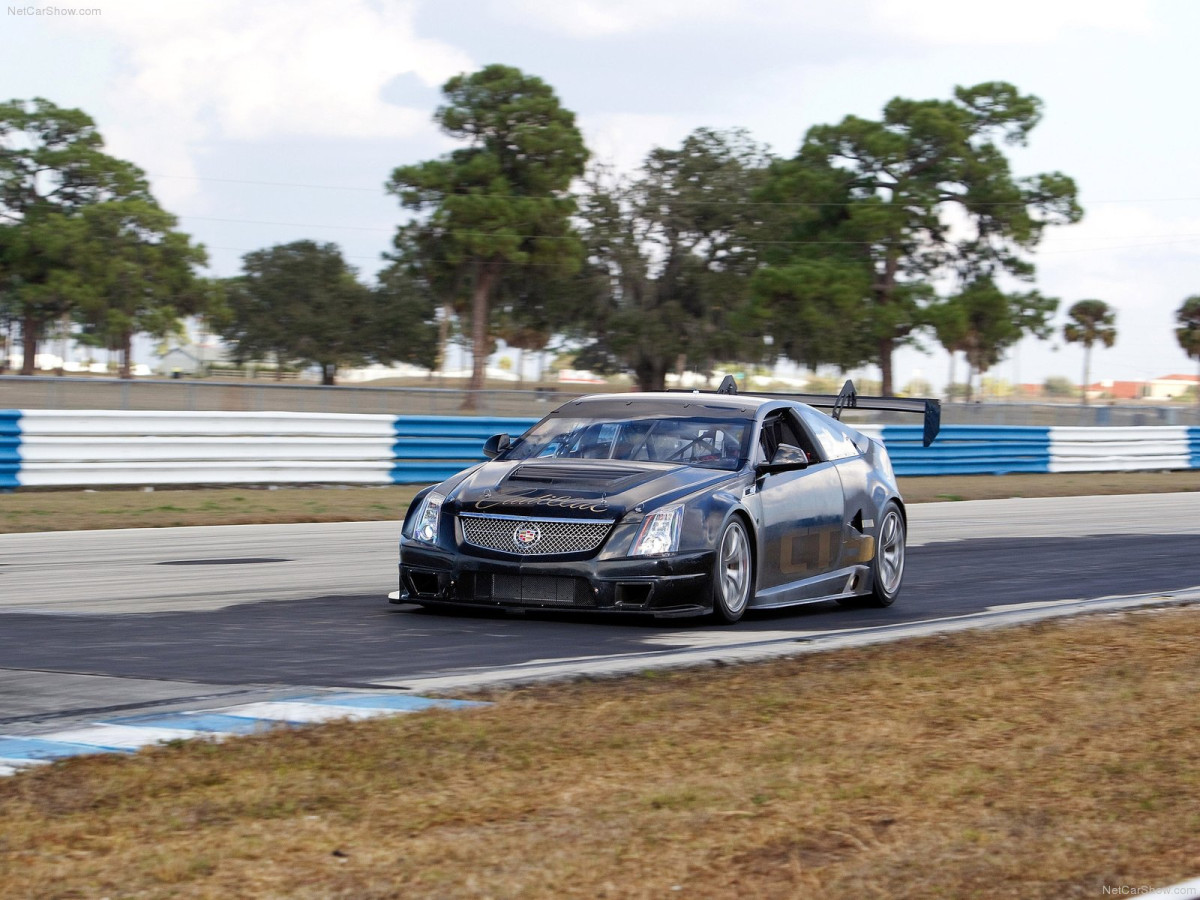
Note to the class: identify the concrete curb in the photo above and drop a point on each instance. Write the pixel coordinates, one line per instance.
(779, 648)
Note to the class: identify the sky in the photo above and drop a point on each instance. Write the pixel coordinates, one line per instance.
(261, 122)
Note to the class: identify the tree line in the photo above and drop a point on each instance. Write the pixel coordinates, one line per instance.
(877, 233)
(82, 240)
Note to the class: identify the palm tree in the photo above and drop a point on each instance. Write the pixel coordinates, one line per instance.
(1091, 322)
(1188, 332)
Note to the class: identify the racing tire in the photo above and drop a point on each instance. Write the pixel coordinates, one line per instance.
(887, 568)
(733, 573)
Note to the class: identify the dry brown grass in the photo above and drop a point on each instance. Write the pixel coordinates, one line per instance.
(75, 510)
(1046, 761)
(993, 487)
(71, 510)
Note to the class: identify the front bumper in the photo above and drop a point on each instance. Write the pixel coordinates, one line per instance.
(677, 585)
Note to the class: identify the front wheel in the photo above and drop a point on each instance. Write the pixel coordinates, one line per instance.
(733, 577)
(887, 568)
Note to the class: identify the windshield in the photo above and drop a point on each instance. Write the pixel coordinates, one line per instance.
(707, 443)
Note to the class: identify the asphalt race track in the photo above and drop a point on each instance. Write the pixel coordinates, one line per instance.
(126, 620)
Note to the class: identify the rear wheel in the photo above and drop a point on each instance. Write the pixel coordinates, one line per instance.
(733, 576)
(887, 568)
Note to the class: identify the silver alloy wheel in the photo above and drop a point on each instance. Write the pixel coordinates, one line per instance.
(733, 569)
(891, 552)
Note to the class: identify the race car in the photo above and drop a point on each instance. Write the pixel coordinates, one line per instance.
(668, 504)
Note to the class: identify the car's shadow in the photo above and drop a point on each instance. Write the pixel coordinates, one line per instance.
(808, 611)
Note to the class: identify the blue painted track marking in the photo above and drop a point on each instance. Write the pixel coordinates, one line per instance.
(37, 748)
(17, 751)
(398, 702)
(203, 723)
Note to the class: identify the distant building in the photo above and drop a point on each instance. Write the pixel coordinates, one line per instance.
(579, 376)
(1171, 387)
(1027, 391)
(1119, 390)
(192, 360)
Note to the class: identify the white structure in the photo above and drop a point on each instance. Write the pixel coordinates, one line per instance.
(194, 359)
(1170, 387)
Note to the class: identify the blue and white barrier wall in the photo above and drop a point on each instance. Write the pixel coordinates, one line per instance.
(1123, 449)
(10, 443)
(999, 450)
(82, 448)
(965, 449)
(432, 448)
(61, 448)
(85, 448)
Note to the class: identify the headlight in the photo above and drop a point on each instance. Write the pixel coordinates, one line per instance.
(659, 533)
(427, 518)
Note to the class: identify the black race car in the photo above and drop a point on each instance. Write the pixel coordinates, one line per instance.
(668, 504)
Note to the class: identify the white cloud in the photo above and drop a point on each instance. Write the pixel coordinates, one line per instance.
(1139, 259)
(1123, 234)
(271, 68)
(623, 140)
(209, 70)
(605, 18)
(1020, 22)
(927, 21)
(610, 18)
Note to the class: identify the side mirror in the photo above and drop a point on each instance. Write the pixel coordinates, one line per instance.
(496, 445)
(787, 458)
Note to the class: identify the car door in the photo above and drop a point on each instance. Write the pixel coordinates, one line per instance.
(838, 445)
(800, 514)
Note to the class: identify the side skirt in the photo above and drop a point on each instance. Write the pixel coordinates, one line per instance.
(852, 581)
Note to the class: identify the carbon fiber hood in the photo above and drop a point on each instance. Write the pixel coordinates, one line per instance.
(581, 489)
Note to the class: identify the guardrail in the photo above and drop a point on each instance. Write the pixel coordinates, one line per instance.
(225, 395)
(438, 399)
(86, 448)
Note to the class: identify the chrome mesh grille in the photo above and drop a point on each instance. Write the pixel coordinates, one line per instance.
(533, 537)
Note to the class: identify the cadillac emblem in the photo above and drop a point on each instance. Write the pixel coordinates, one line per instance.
(527, 536)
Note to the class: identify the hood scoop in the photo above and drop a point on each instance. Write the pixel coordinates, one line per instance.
(584, 474)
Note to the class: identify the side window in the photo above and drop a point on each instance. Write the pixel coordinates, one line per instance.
(782, 428)
(861, 442)
(768, 438)
(835, 442)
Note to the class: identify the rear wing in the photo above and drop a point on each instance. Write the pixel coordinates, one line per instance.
(848, 398)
